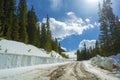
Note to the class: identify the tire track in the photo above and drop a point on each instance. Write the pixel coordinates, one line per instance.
(70, 71)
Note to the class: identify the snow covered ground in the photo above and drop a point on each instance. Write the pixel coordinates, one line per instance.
(101, 73)
(14, 47)
(72, 55)
(108, 63)
(106, 67)
(17, 54)
(40, 65)
(6, 73)
(82, 70)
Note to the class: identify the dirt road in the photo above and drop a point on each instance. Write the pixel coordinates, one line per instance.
(69, 71)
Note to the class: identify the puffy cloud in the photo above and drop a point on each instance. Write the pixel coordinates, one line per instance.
(70, 13)
(89, 43)
(87, 20)
(70, 26)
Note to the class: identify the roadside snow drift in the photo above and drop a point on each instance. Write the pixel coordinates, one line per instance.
(109, 63)
(16, 54)
(14, 47)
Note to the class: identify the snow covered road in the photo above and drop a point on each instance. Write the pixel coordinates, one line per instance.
(67, 71)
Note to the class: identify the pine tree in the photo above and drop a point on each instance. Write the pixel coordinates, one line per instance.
(116, 36)
(1, 17)
(38, 36)
(48, 45)
(78, 55)
(43, 36)
(23, 21)
(6, 17)
(84, 55)
(11, 10)
(15, 29)
(59, 49)
(107, 28)
(96, 48)
(56, 48)
(32, 27)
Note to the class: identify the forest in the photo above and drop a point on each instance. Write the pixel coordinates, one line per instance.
(20, 24)
(109, 38)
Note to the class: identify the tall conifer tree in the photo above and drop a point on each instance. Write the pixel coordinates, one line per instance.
(23, 21)
(48, 45)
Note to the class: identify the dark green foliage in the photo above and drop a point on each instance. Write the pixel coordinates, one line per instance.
(110, 30)
(1, 17)
(23, 21)
(43, 36)
(10, 17)
(7, 8)
(16, 23)
(87, 53)
(56, 46)
(38, 36)
(32, 28)
(78, 55)
(15, 29)
(48, 45)
(0, 29)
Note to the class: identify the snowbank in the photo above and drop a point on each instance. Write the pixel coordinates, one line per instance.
(108, 63)
(16, 54)
(21, 70)
(14, 47)
(103, 74)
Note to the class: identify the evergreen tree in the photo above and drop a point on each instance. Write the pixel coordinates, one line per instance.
(56, 48)
(108, 27)
(1, 17)
(7, 8)
(78, 55)
(43, 36)
(10, 15)
(60, 50)
(23, 21)
(84, 55)
(96, 48)
(38, 35)
(0, 29)
(15, 29)
(48, 45)
(32, 27)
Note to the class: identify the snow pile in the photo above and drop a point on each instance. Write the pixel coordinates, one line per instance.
(13, 47)
(103, 74)
(108, 63)
(116, 59)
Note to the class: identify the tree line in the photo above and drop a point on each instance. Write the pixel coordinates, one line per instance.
(109, 37)
(19, 24)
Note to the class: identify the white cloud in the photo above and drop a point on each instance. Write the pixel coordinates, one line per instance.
(70, 26)
(97, 24)
(56, 4)
(87, 20)
(89, 43)
(70, 13)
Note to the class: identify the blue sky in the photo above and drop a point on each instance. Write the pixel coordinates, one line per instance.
(72, 21)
